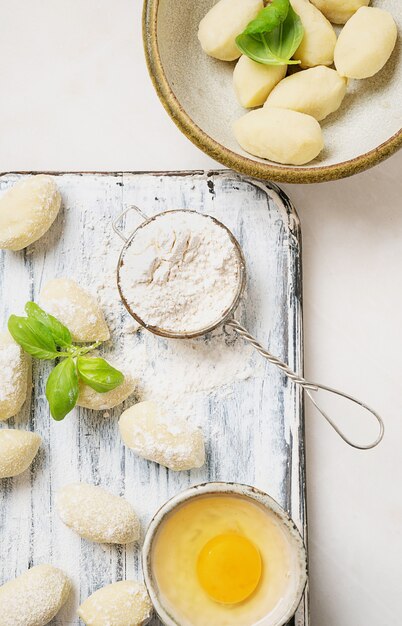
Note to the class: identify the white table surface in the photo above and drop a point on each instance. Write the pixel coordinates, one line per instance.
(75, 95)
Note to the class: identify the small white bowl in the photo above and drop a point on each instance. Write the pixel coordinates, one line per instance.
(292, 602)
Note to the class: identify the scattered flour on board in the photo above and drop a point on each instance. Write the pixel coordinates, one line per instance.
(175, 371)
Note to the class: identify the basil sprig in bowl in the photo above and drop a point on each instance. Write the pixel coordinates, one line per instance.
(197, 92)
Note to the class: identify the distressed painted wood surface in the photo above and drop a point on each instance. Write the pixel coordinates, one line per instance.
(254, 431)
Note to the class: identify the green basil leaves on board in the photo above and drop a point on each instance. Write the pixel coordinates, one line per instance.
(98, 374)
(33, 337)
(273, 36)
(62, 388)
(44, 337)
(61, 334)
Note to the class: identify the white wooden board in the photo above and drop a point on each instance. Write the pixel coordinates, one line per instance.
(254, 426)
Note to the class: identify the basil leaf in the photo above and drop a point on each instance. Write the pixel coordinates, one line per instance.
(60, 333)
(287, 38)
(268, 18)
(62, 388)
(33, 337)
(98, 374)
(275, 47)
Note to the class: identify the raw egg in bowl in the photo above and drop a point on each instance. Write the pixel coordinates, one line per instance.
(224, 554)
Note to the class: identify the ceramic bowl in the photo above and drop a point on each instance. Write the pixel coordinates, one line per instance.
(224, 488)
(197, 92)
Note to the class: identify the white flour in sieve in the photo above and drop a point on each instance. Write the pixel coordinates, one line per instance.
(175, 372)
(181, 272)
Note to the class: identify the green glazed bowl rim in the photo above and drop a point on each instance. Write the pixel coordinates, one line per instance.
(243, 164)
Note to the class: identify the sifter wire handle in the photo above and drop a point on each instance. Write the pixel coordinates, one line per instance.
(117, 220)
(310, 387)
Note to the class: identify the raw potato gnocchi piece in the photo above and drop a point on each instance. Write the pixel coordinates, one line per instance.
(91, 399)
(365, 43)
(125, 603)
(318, 43)
(27, 211)
(35, 597)
(339, 11)
(253, 81)
(15, 373)
(75, 308)
(280, 135)
(219, 28)
(97, 514)
(318, 91)
(169, 441)
(18, 449)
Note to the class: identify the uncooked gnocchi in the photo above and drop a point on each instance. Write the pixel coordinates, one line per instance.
(97, 514)
(18, 449)
(27, 211)
(15, 373)
(75, 308)
(35, 597)
(125, 603)
(159, 437)
(339, 11)
(317, 91)
(279, 135)
(318, 43)
(365, 43)
(91, 399)
(221, 25)
(253, 81)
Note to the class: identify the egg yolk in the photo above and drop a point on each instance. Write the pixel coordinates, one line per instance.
(229, 568)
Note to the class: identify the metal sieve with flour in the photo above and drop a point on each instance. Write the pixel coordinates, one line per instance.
(214, 309)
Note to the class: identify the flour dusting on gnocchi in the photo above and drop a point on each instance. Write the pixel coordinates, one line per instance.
(27, 211)
(96, 514)
(165, 439)
(14, 367)
(125, 603)
(35, 597)
(75, 308)
(91, 399)
(18, 448)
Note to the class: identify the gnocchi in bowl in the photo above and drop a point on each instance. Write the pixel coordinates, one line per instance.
(198, 92)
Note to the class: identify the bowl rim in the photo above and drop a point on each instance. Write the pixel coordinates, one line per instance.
(240, 163)
(226, 488)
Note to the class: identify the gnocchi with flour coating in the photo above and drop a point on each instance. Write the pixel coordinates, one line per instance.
(319, 39)
(35, 597)
(279, 135)
(75, 308)
(162, 438)
(125, 603)
(365, 43)
(89, 398)
(254, 81)
(339, 11)
(97, 514)
(18, 449)
(15, 374)
(27, 211)
(219, 28)
(317, 91)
